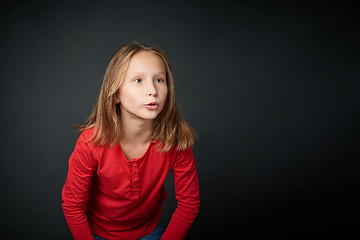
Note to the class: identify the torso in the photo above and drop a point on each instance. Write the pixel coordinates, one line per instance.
(132, 151)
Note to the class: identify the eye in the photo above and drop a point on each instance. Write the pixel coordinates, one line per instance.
(159, 80)
(137, 80)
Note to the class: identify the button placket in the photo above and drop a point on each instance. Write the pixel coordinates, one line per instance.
(135, 180)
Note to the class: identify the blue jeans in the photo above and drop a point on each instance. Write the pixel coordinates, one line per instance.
(155, 235)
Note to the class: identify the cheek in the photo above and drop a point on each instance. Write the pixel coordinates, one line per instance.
(166, 96)
(128, 95)
(165, 91)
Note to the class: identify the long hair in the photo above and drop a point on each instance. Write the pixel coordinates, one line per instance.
(170, 128)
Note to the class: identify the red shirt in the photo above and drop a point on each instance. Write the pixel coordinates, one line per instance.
(116, 198)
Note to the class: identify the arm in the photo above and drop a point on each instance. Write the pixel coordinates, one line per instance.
(187, 196)
(75, 191)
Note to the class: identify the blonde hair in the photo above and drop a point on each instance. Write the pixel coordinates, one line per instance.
(170, 129)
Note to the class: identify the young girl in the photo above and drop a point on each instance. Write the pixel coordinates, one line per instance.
(133, 137)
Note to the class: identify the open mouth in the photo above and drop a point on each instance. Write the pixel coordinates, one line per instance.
(152, 105)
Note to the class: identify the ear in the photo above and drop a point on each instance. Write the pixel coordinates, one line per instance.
(117, 98)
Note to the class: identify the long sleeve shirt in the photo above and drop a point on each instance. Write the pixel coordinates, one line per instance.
(116, 198)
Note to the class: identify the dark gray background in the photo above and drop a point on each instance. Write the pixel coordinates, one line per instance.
(271, 88)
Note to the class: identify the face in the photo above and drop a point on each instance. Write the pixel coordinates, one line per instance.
(143, 91)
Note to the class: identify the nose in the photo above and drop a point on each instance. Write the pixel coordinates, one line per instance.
(151, 91)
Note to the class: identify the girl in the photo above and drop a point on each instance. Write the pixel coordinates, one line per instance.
(133, 137)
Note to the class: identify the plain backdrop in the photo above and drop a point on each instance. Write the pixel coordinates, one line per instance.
(271, 87)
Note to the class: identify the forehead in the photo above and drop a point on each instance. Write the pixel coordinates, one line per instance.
(146, 62)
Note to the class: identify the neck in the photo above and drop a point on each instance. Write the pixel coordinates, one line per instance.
(136, 130)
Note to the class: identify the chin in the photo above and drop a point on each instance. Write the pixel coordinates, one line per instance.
(152, 117)
(148, 116)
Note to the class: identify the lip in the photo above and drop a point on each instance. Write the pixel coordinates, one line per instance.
(152, 105)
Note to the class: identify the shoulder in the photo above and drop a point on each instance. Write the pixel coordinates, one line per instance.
(184, 160)
(86, 143)
(183, 154)
(87, 134)
(173, 153)
(186, 151)
(84, 140)
(174, 150)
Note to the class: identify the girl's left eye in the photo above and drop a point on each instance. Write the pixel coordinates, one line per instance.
(159, 80)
